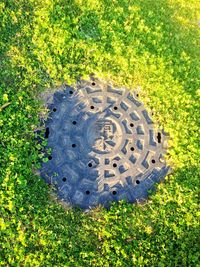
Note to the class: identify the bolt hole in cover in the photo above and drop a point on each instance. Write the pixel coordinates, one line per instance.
(103, 146)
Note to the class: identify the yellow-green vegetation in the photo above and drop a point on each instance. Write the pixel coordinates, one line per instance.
(150, 43)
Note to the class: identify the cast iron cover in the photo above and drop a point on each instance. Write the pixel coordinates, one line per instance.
(103, 146)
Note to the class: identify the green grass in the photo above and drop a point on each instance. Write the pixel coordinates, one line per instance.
(154, 44)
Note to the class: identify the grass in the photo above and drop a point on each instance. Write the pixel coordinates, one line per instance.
(153, 44)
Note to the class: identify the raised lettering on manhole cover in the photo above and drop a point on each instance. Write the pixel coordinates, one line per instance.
(104, 147)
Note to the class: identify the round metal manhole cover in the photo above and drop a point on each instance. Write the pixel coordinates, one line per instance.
(103, 146)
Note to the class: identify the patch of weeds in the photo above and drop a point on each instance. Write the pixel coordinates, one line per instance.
(44, 44)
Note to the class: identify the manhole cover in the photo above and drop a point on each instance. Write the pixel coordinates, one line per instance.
(104, 147)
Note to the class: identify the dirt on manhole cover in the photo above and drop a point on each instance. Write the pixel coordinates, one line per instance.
(104, 147)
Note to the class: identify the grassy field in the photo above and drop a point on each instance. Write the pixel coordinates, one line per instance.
(154, 44)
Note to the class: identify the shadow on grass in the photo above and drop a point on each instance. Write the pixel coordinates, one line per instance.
(16, 32)
(75, 234)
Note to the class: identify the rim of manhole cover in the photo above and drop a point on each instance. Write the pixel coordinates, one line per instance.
(103, 145)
